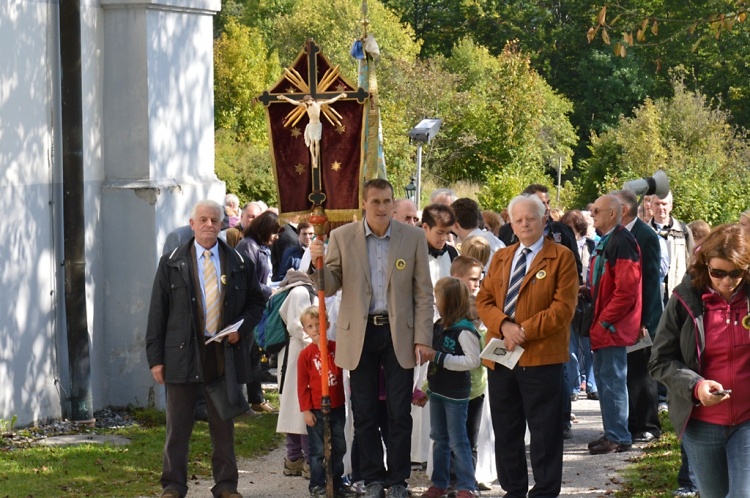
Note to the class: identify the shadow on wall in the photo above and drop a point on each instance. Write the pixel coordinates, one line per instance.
(180, 151)
(181, 96)
(27, 255)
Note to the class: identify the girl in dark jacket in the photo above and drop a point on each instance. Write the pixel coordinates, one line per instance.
(702, 354)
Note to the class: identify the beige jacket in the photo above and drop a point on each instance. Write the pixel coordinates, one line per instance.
(408, 292)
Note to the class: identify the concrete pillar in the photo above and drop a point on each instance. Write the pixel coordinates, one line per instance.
(158, 151)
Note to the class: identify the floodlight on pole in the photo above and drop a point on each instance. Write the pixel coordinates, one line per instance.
(423, 133)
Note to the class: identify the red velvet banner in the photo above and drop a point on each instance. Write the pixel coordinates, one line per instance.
(341, 154)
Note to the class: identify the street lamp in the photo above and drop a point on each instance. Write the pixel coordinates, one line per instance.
(423, 133)
(411, 191)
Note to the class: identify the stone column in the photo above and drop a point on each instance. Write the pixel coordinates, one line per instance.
(158, 151)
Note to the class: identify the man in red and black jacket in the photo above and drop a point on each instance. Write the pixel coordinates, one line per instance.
(615, 282)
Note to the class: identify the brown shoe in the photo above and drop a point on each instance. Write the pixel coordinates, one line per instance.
(171, 493)
(230, 493)
(264, 407)
(597, 442)
(293, 467)
(433, 492)
(608, 446)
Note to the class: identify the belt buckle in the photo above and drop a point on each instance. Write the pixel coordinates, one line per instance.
(376, 320)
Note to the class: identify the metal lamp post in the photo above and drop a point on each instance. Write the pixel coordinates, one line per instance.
(423, 133)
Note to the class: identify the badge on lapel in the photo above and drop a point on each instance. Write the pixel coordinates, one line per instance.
(400, 264)
(746, 322)
(224, 280)
(541, 274)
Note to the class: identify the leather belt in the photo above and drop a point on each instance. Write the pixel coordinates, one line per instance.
(378, 320)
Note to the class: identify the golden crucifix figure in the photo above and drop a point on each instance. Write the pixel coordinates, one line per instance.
(314, 129)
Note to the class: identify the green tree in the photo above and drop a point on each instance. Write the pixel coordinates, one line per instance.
(243, 68)
(245, 168)
(512, 123)
(438, 23)
(404, 104)
(335, 25)
(706, 158)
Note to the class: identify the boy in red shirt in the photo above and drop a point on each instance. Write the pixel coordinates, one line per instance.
(309, 389)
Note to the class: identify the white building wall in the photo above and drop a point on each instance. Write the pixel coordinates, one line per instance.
(158, 161)
(147, 75)
(28, 168)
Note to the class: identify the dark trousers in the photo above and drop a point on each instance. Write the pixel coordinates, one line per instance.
(180, 414)
(472, 424)
(518, 396)
(316, 444)
(643, 398)
(377, 348)
(255, 394)
(567, 404)
(383, 427)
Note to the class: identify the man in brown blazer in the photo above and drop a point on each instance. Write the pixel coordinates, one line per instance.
(381, 267)
(528, 299)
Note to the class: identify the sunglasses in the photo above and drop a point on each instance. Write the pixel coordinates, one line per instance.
(596, 211)
(721, 274)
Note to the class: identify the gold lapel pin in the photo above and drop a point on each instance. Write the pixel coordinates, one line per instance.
(224, 280)
(541, 274)
(400, 264)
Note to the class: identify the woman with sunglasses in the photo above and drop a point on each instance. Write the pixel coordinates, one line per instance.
(702, 354)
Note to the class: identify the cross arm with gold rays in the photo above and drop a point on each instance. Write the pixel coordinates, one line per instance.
(317, 89)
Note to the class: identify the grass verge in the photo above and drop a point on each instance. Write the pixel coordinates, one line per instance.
(127, 471)
(654, 472)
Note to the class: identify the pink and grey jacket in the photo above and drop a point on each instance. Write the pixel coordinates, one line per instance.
(700, 336)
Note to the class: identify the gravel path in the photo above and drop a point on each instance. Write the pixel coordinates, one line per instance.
(584, 475)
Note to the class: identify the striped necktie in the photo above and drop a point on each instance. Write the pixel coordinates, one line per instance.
(515, 285)
(211, 287)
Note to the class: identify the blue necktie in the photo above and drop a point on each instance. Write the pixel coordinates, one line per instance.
(515, 285)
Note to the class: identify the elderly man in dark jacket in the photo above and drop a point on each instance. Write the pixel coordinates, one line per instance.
(199, 289)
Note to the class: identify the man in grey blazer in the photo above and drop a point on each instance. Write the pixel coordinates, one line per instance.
(381, 267)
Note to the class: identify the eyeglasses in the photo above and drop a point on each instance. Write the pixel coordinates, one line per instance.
(596, 211)
(721, 274)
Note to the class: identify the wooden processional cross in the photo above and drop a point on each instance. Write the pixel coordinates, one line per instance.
(318, 87)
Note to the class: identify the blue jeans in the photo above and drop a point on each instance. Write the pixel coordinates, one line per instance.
(580, 364)
(611, 370)
(586, 362)
(448, 432)
(720, 457)
(317, 449)
(686, 474)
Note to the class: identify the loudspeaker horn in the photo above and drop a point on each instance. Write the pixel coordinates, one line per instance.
(655, 185)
